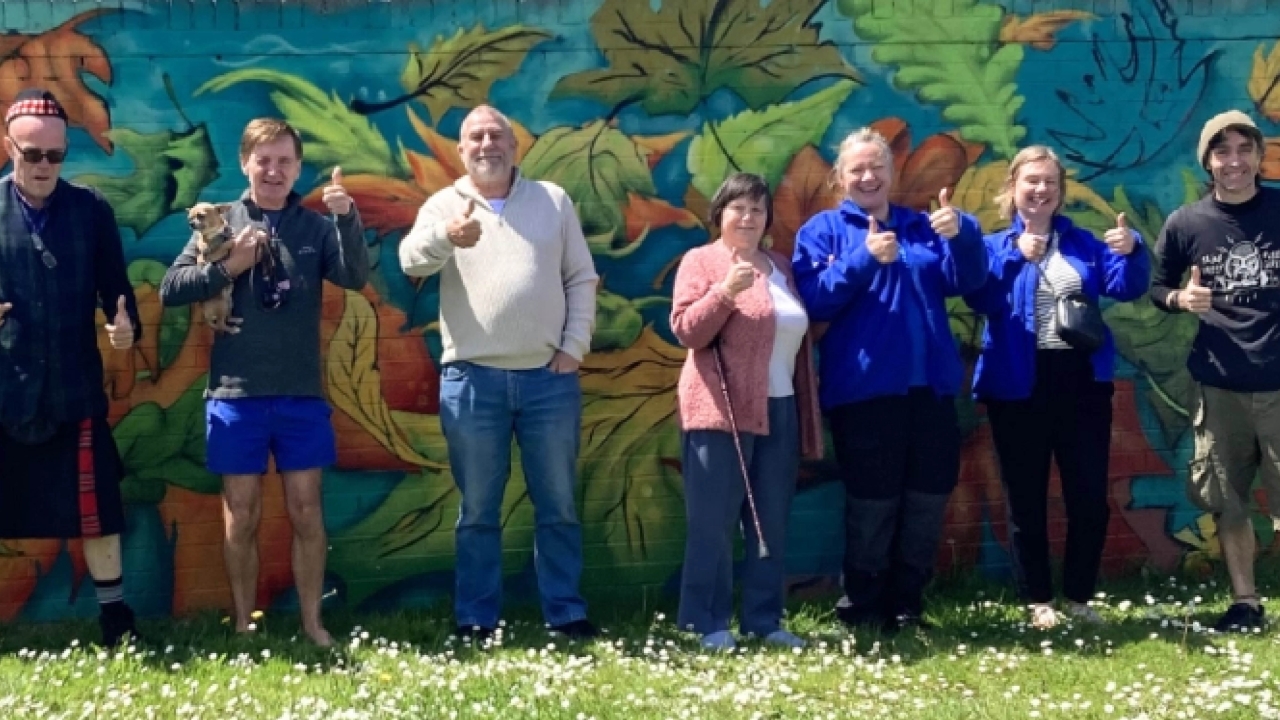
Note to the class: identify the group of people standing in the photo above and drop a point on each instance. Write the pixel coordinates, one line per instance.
(854, 326)
(867, 286)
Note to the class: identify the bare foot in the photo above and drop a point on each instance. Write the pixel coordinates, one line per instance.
(319, 636)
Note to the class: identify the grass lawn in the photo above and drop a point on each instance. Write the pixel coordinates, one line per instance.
(1150, 660)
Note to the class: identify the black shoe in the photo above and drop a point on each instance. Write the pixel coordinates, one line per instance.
(577, 630)
(906, 621)
(117, 623)
(1242, 618)
(474, 633)
(855, 618)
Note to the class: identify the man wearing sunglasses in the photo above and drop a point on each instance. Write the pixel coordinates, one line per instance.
(61, 260)
(265, 392)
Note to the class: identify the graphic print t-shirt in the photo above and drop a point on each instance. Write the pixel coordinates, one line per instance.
(1237, 248)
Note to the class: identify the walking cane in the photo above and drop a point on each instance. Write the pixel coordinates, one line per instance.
(737, 444)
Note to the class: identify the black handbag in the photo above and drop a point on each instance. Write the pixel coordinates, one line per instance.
(1077, 319)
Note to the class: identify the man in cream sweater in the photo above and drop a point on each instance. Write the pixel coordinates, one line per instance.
(517, 308)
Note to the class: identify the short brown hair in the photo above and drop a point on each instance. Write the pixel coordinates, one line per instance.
(265, 130)
(740, 185)
(1030, 154)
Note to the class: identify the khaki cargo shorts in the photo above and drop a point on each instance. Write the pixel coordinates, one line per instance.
(1237, 438)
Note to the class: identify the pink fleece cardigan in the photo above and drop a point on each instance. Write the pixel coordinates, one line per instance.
(746, 325)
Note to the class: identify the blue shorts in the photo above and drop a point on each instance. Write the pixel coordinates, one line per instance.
(296, 430)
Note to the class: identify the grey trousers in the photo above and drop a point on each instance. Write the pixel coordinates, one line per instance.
(715, 507)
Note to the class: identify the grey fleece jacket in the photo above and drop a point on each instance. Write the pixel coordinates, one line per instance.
(276, 352)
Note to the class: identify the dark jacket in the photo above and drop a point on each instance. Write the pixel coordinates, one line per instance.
(50, 367)
(277, 351)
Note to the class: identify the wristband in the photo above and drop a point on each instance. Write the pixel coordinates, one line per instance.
(222, 268)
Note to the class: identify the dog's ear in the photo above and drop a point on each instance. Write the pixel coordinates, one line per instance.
(223, 208)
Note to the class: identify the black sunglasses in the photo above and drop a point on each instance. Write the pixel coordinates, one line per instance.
(35, 155)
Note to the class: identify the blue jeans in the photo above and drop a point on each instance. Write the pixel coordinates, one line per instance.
(715, 508)
(480, 409)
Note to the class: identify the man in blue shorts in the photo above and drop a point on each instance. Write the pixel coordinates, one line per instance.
(265, 392)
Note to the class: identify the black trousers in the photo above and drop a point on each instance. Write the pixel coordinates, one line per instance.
(899, 457)
(1067, 418)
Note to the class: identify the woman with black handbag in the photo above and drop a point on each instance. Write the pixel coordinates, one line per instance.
(1045, 373)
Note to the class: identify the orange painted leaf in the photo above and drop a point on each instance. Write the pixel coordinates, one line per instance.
(803, 192)
(386, 204)
(656, 147)
(645, 213)
(937, 163)
(55, 60)
(1039, 30)
(1270, 169)
(428, 173)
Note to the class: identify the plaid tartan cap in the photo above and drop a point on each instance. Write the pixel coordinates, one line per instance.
(35, 102)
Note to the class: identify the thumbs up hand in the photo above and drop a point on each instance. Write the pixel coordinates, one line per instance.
(883, 246)
(464, 230)
(945, 220)
(1120, 238)
(120, 329)
(741, 275)
(335, 196)
(1195, 297)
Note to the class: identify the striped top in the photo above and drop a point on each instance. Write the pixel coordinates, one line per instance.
(1063, 279)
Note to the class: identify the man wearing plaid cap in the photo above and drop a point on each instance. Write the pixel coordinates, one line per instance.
(61, 260)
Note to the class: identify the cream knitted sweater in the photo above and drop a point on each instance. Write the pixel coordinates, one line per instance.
(527, 289)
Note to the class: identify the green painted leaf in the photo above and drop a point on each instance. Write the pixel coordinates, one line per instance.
(950, 55)
(762, 142)
(175, 322)
(412, 533)
(669, 59)
(634, 500)
(161, 446)
(170, 171)
(332, 133)
(618, 323)
(597, 165)
(458, 72)
(1153, 341)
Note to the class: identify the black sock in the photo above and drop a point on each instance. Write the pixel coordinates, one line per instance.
(110, 594)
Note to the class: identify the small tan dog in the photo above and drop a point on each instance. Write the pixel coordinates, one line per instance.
(209, 221)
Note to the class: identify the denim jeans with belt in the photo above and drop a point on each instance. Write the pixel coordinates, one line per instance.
(481, 409)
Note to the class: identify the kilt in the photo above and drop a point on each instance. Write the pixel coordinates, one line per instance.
(65, 487)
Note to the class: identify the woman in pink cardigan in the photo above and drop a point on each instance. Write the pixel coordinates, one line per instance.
(734, 293)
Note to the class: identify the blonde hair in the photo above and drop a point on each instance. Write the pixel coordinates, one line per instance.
(1032, 153)
(267, 130)
(861, 136)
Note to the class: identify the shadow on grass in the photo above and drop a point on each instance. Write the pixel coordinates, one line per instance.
(969, 614)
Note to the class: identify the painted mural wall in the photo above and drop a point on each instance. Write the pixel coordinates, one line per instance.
(638, 108)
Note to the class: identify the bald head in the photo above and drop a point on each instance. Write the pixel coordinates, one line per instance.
(487, 146)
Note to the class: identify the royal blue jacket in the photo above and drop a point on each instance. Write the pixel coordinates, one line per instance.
(865, 352)
(1006, 368)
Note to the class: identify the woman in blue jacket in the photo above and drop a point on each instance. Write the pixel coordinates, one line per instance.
(1046, 399)
(880, 274)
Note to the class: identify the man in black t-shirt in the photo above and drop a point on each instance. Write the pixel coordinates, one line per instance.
(1230, 241)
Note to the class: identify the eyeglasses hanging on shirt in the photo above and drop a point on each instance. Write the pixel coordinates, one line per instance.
(275, 278)
(36, 222)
